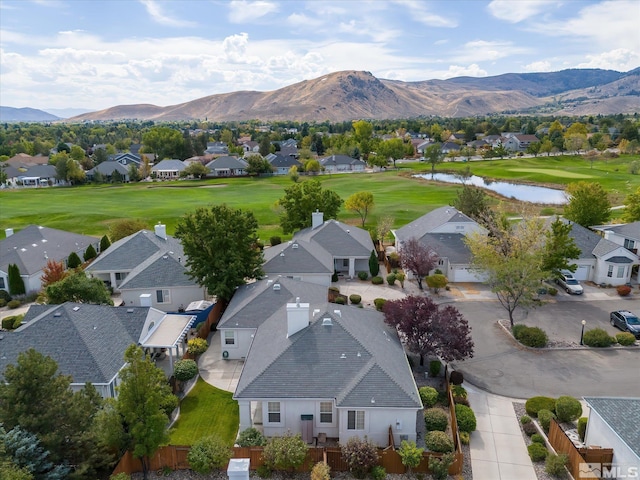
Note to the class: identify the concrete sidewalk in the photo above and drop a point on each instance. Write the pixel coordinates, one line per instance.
(222, 374)
(498, 449)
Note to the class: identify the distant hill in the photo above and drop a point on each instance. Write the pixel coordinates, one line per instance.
(349, 95)
(10, 114)
(67, 112)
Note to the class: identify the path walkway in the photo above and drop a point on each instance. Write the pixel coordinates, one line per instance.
(498, 449)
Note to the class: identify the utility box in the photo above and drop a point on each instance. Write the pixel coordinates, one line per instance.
(238, 469)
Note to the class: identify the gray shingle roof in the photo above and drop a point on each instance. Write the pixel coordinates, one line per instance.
(448, 245)
(107, 168)
(296, 257)
(42, 171)
(340, 160)
(629, 230)
(339, 239)
(87, 343)
(430, 221)
(226, 162)
(590, 243)
(169, 164)
(31, 247)
(618, 259)
(283, 161)
(159, 270)
(622, 415)
(354, 359)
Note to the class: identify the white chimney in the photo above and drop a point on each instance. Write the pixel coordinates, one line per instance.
(317, 219)
(8, 232)
(161, 231)
(297, 317)
(145, 299)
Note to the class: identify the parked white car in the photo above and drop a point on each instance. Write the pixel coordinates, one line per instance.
(569, 283)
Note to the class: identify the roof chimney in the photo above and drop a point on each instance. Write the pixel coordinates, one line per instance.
(317, 219)
(161, 231)
(297, 317)
(8, 232)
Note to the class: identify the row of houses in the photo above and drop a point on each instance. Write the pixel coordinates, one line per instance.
(307, 364)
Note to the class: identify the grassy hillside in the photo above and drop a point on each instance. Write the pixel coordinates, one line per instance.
(90, 209)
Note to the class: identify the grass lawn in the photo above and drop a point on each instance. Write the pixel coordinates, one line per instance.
(205, 411)
(90, 209)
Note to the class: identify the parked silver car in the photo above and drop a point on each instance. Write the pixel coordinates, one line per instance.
(568, 282)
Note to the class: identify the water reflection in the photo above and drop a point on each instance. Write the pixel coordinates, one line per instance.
(524, 193)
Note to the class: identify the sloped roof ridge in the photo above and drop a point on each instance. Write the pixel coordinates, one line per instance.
(356, 380)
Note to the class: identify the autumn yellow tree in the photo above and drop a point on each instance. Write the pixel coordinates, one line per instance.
(360, 203)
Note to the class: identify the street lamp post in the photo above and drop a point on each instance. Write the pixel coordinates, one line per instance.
(584, 322)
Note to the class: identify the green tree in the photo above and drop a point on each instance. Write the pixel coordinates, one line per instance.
(143, 396)
(207, 454)
(35, 397)
(257, 165)
(473, 202)
(588, 204)
(77, 153)
(220, 244)
(164, 142)
(134, 173)
(632, 207)
(534, 148)
(125, 227)
(264, 147)
(302, 199)
(73, 261)
(16, 283)
(392, 149)
(77, 287)
(360, 203)
(374, 264)
(90, 253)
(104, 243)
(293, 174)
(433, 155)
(559, 248)
(362, 133)
(511, 258)
(196, 169)
(285, 453)
(312, 166)
(410, 454)
(26, 452)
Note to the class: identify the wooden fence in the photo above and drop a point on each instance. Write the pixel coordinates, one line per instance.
(212, 319)
(563, 444)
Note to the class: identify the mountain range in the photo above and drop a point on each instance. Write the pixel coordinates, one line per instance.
(350, 95)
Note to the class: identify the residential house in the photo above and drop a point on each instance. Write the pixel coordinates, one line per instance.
(342, 163)
(627, 235)
(12, 173)
(108, 169)
(520, 142)
(282, 164)
(250, 146)
(168, 169)
(346, 371)
(299, 260)
(31, 248)
(217, 148)
(25, 161)
(422, 145)
(444, 230)
(456, 138)
(148, 269)
(615, 423)
(601, 261)
(40, 176)
(88, 341)
(227, 166)
(289, 151)
(349, 246)
(126, 159)
(448, 147)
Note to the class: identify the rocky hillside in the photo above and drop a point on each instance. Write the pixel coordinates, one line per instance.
(349, 95)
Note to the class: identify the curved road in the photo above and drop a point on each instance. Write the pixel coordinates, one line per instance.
(500, 366)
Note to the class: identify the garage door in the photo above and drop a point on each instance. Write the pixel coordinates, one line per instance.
(582, 272)
(464, 275)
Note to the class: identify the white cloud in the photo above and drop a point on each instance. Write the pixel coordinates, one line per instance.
(302, 20)
(540, 66)
(441, 42)
(242, 11)
(620, 59)
(155, 11)
(515, 12)
(472, 70)
(420, 12)
(612, 23)
(483, 50)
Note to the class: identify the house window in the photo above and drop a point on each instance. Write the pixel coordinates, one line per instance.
(2, 285)
(345, 263)
(326, 412)
(229, 337)
(121, 275)
(355, 420)
(610, 271)
(459, 227)
(274, 412)
(620, 272)
(628, 244)
(162, 296)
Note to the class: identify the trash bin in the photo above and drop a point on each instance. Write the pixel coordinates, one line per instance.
(238, 469)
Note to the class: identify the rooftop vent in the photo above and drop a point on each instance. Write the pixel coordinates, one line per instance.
(276, 287)
(316, 311)
(75, 309)
(129, 310)
(327, 321)
(294, 246)
(57, 314)
(344, 355)
(338, 313)
(282, 254)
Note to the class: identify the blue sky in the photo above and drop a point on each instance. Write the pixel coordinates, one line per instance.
(95, 54)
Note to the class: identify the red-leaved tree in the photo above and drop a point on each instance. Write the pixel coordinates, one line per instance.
(428, 328)
(52, 272)
(418, 259)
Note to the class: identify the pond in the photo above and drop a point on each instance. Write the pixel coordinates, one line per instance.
(524, 193)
